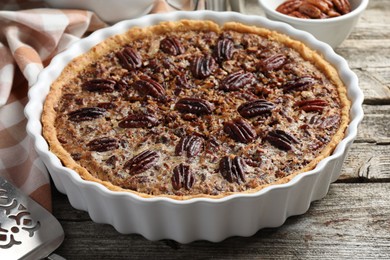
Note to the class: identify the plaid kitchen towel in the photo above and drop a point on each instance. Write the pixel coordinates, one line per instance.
(28, 40)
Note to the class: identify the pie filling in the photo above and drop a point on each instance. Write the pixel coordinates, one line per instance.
(190, 109)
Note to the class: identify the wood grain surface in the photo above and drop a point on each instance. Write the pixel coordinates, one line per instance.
(351, 222)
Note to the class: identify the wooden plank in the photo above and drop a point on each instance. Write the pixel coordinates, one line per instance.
(375, 15)
(358, 160)
(375, 127)
(366, 53)
(375, 85)
(368, 28)
(371, 146)
(376, 169)
(382, 74)
(376, 110)
(351, 221)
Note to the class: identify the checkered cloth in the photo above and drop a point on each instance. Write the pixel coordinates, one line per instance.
(28, 40)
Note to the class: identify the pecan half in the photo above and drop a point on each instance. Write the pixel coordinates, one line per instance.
(255, 108)
(236, 81)
(99, 85)
(313, 105)
(149, 87)
(138, 121)
(196, 106)
(298, 15)
(299, 84)
(202, 66)
(289, 6)
(281, 139)
(182, 177)
(324, 6)
(310, 10)
(342, 6)
(274, 62)
(86, 114)
(129, 58)
(333, 13)
(239, 130)
(191, 145)
(142, 162)
(171, 45)
(103, 144)
(328, 2)
(223, 50)
(232, 170)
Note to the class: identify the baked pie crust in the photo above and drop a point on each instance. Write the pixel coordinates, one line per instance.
(192, 109)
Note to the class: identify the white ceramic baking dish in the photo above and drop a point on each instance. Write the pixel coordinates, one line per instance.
(198, 218)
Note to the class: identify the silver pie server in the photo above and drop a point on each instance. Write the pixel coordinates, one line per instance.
(27, 230)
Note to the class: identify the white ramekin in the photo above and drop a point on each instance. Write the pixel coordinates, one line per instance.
(198, 218)
(332, 30)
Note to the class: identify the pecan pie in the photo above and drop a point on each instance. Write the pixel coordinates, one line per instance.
(193, 109)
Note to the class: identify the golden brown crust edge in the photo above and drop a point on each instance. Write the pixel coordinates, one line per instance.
(77, 64)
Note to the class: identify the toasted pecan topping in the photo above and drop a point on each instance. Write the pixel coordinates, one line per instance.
(233, 170)
(142, 162)
(86, 114)
(182, 177)
(198, 112)
(240, 130)
(196, 106)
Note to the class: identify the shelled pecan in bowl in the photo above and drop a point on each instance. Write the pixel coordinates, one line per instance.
(330, 21)
(315, 9)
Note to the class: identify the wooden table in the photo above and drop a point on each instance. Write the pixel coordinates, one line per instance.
(352, 221)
